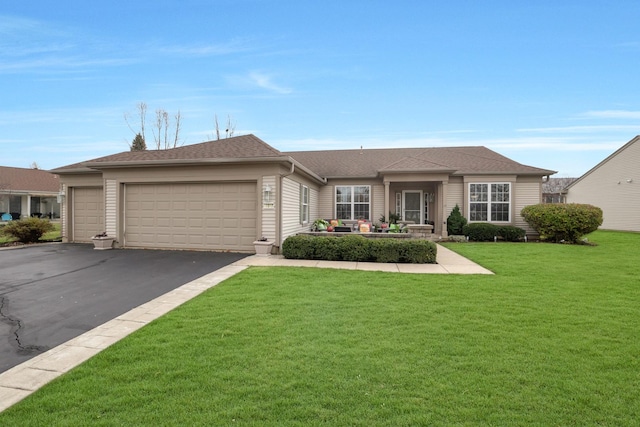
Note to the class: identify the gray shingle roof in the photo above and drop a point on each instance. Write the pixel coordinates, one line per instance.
(239, 147)
(328, 163)
(27, 180)
(459, 160)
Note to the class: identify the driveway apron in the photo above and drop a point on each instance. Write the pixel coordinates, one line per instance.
(52, 293)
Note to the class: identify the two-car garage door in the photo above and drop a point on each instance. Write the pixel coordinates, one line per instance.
(213, 216)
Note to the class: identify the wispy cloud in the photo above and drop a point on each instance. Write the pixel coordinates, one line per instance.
(265, 81)
(260, 80)
(548, 144)
(613, 114)
(583, 129)
(214, 49)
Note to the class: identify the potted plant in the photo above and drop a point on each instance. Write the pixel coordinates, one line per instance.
(263, 246)
(102, 241)
(320, 224)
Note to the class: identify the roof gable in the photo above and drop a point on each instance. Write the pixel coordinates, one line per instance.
(635, 140)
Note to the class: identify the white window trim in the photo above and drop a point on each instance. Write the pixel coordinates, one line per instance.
(304, 205)
(489, 202)
(353, 203)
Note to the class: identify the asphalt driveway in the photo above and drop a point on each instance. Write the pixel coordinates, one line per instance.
(54, 292)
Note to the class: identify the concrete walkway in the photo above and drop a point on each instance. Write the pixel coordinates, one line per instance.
(22, 380)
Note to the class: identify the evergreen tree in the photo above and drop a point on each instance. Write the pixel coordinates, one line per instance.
(455, 222)
(138, 143)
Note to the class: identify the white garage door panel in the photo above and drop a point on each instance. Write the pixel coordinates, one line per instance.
(218, 216)
(88, 213)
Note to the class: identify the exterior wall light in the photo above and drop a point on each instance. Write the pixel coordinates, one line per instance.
(267, 196)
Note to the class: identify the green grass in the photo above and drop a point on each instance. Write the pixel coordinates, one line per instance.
(552, 339)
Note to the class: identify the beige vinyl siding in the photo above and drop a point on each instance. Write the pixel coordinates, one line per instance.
(455, 196)
(64, 229)
(377, 202)
(526, 192)
(313, 205)
(111, 207)
(269, 213)
(291, 209)
(326, 208)
(607, 187)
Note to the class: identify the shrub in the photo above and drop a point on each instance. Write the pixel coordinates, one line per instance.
(563, 222)
(480, 231)
(418, 251)
(455, 222)
(327, 248)
(511, 233)
(355, 248)
(298, 247)
(28, 230)
(359, 248)
(385, 250)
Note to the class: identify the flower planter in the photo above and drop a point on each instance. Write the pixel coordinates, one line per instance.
(263, 248)
(102, 243)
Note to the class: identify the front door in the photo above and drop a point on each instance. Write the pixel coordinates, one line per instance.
(412, 206)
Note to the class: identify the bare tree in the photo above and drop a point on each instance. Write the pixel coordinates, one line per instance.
(166, 133)
(166, 138)
(142, 115)
(34, 165)
(230, 129)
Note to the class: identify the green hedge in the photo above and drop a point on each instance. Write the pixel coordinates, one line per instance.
(487, 232)
(563, 222)
(359, 248)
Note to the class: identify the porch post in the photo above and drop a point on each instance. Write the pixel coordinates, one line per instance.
(386, 200)
(442, 198)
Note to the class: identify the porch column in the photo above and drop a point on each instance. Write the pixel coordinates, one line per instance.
(386, 200)
(442, 199)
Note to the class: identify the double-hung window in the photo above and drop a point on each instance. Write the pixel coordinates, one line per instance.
(353, 202)
(304, 204)
(490, 202)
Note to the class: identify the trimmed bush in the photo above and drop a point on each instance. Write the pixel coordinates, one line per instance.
(480, 231)
(327, 248)
(562, 222)
(511, 233)
(359, 248)
(418, 251)
(385, 250)
(298, 247)
(28, 230)
(355, 248)
(455, 222)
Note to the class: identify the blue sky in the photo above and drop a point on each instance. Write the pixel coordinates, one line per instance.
(552, 84)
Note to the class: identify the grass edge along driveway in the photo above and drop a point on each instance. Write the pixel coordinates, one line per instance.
(552, 339)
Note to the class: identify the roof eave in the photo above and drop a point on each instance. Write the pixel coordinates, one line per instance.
(182, 162)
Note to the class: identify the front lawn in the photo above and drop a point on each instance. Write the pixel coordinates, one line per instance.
(552, 339)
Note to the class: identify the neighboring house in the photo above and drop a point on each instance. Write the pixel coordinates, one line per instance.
(28, 192)
(222, 195)
(613, 185)
(553, 189)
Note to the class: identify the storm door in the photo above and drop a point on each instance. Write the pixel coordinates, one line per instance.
(412, 206)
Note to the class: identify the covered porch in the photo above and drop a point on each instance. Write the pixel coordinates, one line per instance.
(418, 198)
